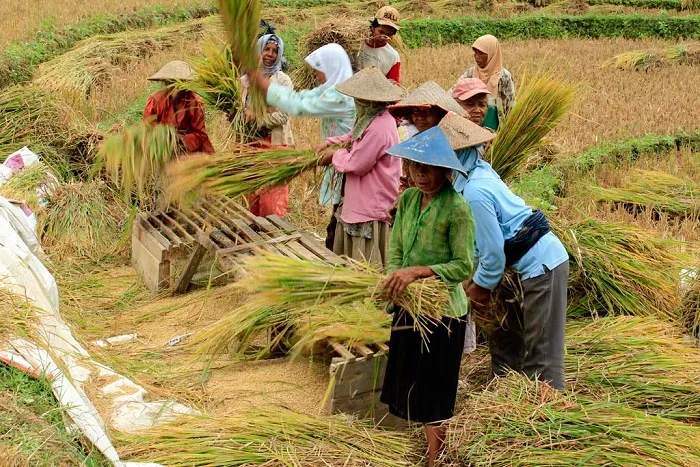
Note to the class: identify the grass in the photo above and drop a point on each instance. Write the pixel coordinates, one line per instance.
(521, 423)
(271, 437)
(690, 308)
(19, 59)
(32, 426)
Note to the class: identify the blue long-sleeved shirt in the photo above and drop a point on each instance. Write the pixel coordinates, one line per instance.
(499, 215)
(337, 114)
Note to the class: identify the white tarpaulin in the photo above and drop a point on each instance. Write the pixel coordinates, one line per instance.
(58, 354)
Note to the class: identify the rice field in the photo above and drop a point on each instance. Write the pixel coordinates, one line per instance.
(621, 369)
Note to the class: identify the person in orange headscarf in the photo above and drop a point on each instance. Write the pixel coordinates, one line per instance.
(183, 110)
(499, 82)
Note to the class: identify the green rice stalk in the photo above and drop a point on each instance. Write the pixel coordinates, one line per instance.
(659, 191)
(29, 185)
(94, 61)
(271, 438)
(620, 269)
(135, 159)
(82, 220)
(640, 362)
(690, 308)
(638, 60)
(218, 81)
(292, 292)
(542, 102)
(241, 20)
(517, 422)
(245, 170)
(16, 315)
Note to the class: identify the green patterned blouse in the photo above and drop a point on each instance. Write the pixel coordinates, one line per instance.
(440, 237)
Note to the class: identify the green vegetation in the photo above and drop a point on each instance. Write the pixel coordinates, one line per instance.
(32, 424)
(661, 4)
(18, 61)
(438, 32)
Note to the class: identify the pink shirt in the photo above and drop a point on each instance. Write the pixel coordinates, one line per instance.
(371, 175)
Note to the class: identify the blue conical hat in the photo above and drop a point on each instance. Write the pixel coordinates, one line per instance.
(429, 147)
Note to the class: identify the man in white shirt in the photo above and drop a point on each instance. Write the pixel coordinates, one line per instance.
(376, 50)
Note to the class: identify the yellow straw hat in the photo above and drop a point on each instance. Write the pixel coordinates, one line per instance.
(427, 94)
(371, 85)
(177, 70)
(463, 133)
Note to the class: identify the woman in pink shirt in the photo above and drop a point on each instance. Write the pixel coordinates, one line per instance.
(371, 175)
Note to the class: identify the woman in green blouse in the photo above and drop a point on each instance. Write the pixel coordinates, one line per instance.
(433, 236)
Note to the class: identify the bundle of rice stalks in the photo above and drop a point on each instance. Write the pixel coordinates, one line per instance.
(271, 438)
(621, 270)
(542, 102)
(83, 220)
(690, 5)
(32, 117)
(135, 159)
(643, 60)
(92, 62)
(290, 292)
(690, 308)
(659, 191)
(30, 185)
(640, 362)
(217, 81)
(243, 171)
(349, 32)
(241, 21)
(518, 422)
(571, 7)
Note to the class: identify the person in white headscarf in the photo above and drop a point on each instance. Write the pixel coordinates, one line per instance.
(331, 66)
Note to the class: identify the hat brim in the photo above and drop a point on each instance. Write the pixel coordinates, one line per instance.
(469, 94)
(429, 147)
(386, 22)
(405, 110)
(370, 95)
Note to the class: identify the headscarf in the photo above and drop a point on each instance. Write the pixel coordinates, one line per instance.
(262, 43)
(491, 73)
(332, 61)
(365, 112)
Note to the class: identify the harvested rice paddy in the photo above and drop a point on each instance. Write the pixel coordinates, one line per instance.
(635, 375)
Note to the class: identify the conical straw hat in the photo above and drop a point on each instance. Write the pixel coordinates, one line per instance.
(429, 93)
(371, 85)
(463, 133)
(176, 70)
(429, 147)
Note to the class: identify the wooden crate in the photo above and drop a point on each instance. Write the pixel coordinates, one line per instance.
(357, 375)
(220, 227)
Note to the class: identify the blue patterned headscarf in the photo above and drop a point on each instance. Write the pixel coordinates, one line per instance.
(262, 43)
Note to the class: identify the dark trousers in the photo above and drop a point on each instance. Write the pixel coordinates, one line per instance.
(533, 339)
(330, 230)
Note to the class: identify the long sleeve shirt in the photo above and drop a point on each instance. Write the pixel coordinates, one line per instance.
(337, 114)
(276, 120)
(441, 236)
(371, 175)
(499, 215)
(187, 117)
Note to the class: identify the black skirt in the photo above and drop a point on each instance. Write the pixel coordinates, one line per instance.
(421, 380)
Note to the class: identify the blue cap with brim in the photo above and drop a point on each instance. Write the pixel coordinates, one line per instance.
(429, 147)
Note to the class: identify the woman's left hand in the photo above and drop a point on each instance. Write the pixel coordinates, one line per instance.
(480, 297)
(327, 158)
(397, 281)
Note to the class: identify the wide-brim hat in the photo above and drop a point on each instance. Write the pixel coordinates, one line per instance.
(430, 147)
(388, 16)
(463, 133)
(371, 85)
(177, 70)
(427, 94)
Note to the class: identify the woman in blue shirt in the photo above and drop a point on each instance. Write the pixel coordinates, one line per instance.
(509, 234)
